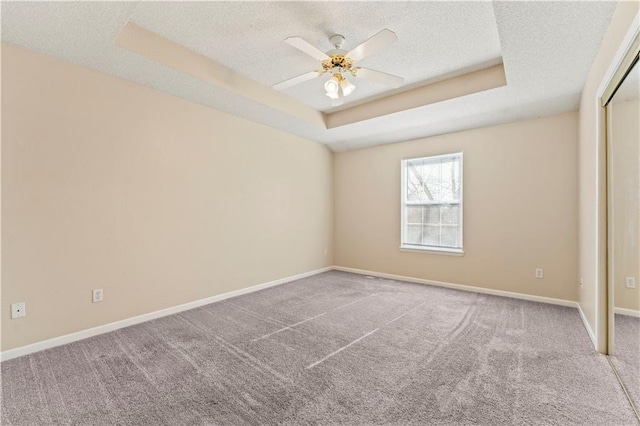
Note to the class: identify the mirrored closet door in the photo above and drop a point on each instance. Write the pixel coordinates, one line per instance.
(623, 126)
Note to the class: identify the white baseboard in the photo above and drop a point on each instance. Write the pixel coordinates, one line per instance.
(628, 312)
(550, 300)
(590, 332)
(83, 334)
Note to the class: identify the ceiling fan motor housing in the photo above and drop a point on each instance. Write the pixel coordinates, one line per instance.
(336, 41)
(338, 62)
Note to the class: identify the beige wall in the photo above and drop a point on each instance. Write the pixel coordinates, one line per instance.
(520, 208)
(625, 141)
(592, 289)
(159, 201)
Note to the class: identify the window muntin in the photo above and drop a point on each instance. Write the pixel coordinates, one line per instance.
(432, 203)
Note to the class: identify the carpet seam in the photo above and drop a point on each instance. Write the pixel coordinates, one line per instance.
(624, 388)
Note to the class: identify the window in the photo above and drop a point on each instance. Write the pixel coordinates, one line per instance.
(432, 203)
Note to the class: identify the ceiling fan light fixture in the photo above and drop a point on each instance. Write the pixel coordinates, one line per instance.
(332, 86)
(347, 87)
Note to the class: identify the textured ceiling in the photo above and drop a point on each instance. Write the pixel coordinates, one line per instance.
(459, 35)
(547, 49)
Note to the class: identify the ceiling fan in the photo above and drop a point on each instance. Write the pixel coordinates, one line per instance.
(339, 63)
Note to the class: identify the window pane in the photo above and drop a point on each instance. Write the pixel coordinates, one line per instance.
(431, 235)
(423, 181)
(450, 183)
(414, 234)
(450, 236)
(450, 214)
(415, 187)
(432, 214)
(414, 214)
(433, 179)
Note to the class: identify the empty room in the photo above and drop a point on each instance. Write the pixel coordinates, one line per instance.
(306, 212)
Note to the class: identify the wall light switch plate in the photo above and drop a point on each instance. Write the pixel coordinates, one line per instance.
(97, 295)
(630, 282)
(539, 273)
(18, 310)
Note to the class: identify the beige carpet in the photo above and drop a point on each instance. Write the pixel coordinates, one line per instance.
(626, 359)
(335, 348)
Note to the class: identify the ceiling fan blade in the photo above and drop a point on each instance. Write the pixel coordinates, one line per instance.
(379, 41)
(296, 80)
(303, 45)
(380, 77)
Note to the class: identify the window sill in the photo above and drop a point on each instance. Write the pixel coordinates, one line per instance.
(433, 250)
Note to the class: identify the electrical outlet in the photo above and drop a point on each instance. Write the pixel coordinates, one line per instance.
(97, 295)
(630, 282)
(539, 273)
(18, 310)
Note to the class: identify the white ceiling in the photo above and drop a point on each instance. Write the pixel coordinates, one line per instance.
(547, 49)
(211, 29)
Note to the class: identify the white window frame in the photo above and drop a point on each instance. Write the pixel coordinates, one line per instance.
(403, 204)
